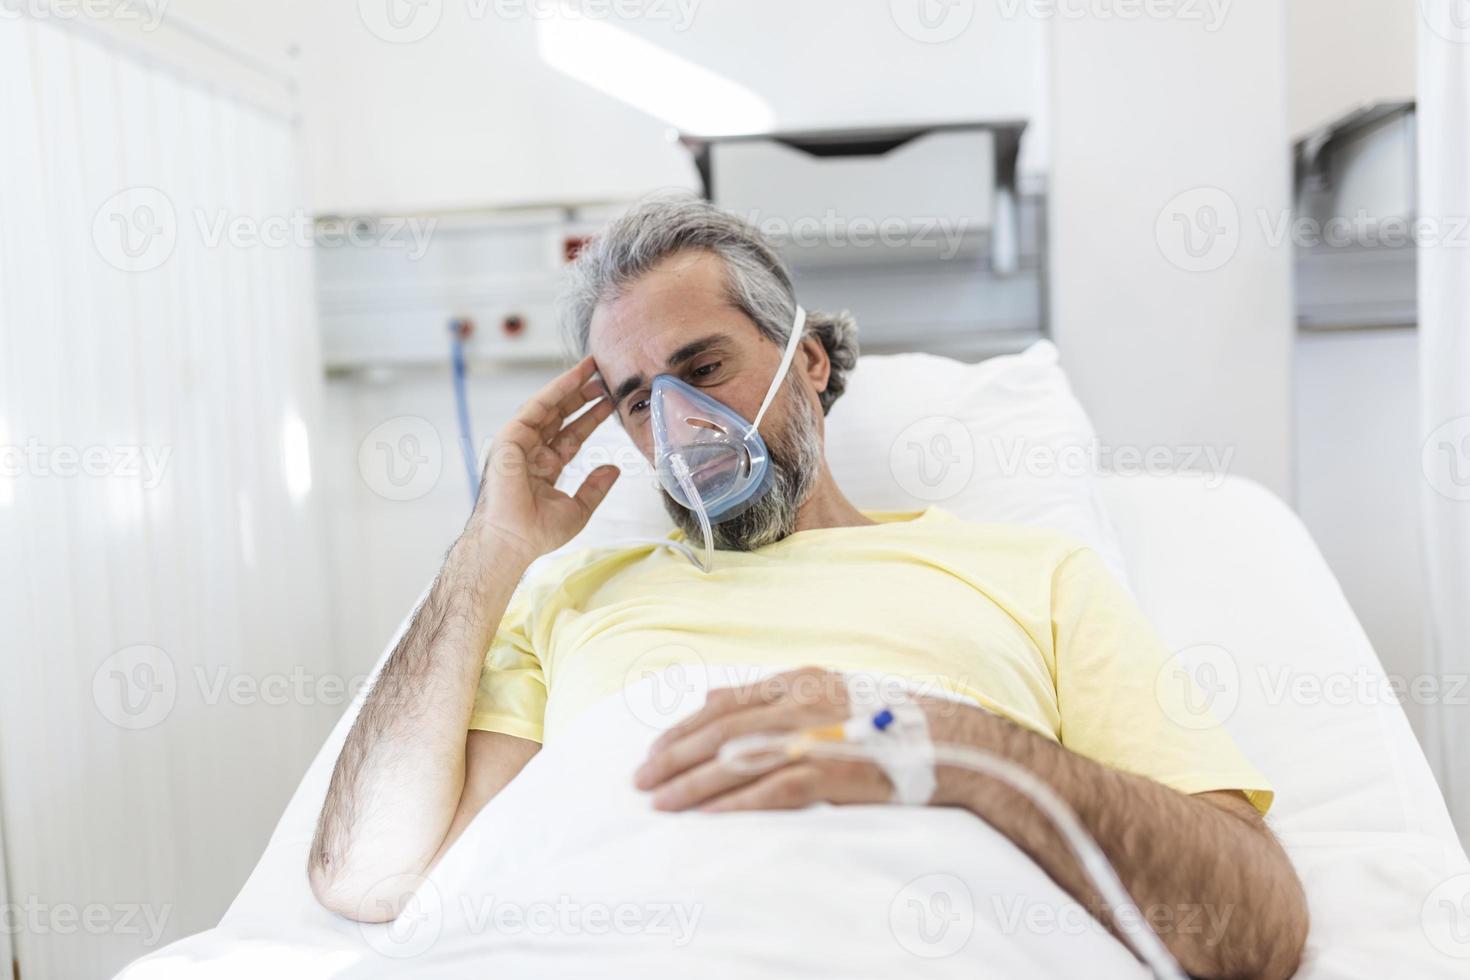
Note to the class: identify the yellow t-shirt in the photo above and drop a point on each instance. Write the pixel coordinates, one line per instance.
(1025, 622)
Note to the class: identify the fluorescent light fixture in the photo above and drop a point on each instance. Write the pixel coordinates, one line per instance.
(296, 453)
(649, 78)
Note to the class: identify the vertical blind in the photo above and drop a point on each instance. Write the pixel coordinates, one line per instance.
(167, 667)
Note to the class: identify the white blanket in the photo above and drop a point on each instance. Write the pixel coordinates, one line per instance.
(570, 873)
(840, 891)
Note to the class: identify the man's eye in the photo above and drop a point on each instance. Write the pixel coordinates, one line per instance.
(706, 370)
(640, 405)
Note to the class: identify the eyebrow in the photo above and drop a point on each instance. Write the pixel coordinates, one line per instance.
(683, 355)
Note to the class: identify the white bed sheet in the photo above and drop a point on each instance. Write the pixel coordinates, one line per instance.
(1232, 581)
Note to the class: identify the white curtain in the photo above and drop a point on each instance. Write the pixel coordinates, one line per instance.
(165, 672)
(1444, 338)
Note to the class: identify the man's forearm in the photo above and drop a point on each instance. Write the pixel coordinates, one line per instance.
(1219, 889)
(398, 781)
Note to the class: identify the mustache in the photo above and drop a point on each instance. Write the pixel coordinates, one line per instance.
(796, 454)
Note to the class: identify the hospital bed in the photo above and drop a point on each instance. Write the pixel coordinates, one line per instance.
(1226, 572)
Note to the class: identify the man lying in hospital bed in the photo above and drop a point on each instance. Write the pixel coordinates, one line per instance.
(1035, 654)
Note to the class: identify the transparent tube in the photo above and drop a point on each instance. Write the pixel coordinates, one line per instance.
(686, 482)
(762, 753)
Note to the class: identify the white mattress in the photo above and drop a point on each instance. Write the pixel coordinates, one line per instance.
(1232, 581)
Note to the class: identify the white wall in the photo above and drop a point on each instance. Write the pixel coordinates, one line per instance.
(471, 104)
(392, 507)
(1345, 53)
(1357, 468)
(1358, 481)
(1145, 113)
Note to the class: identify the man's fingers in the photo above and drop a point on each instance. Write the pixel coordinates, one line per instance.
(546, 403)
(717, 703)
(595, 487)
(703, 782)
(568, 406)
(570, 439)
(788, 788)
(703, 743)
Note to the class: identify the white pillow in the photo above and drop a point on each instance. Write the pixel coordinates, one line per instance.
(1002, 441)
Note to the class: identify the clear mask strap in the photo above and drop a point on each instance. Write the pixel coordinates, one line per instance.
(794, 341)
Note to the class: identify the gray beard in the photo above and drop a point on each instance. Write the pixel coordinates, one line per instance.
(796, 456)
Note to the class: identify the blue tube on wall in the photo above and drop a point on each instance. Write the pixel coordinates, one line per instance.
(460, 331)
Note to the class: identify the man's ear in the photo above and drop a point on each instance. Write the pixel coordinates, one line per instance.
(814, 363)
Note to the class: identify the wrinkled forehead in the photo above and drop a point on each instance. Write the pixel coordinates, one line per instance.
(681, 299)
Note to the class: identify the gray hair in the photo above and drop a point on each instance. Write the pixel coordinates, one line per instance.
(758, 281)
